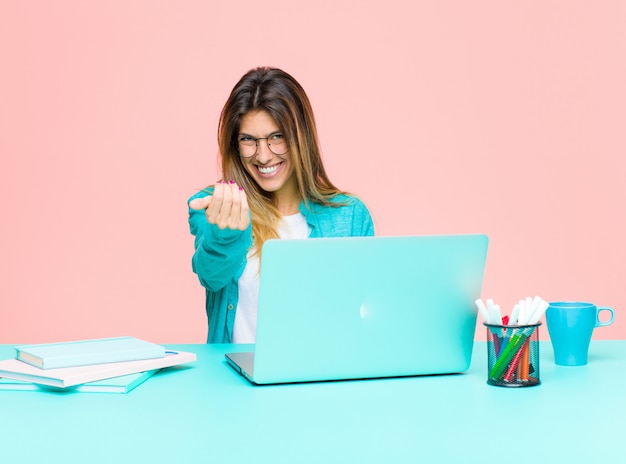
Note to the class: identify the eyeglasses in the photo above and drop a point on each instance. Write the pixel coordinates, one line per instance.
(249, 146)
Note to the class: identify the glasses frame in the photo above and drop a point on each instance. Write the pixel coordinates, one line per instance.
(256, 143)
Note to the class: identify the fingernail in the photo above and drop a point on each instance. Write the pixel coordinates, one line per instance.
(232, 181)
(241, 189)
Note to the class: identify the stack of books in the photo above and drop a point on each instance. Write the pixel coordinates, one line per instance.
(114, 365)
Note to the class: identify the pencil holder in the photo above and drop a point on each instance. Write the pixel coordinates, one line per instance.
(513, 355)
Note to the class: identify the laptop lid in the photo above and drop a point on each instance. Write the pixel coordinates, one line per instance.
(364, 307)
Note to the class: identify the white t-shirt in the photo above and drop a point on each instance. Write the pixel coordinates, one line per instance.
(290, 227)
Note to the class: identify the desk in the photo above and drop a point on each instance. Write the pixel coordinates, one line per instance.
(208, 413)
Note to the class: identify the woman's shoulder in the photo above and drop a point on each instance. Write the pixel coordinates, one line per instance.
(343, 215)
(338, 202)
(347, 199)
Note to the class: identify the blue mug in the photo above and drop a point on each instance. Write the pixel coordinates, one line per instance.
(570, 325)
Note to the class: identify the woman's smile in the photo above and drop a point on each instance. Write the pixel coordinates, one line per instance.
(269, 171)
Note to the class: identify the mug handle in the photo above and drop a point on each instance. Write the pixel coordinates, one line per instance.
(599, 310)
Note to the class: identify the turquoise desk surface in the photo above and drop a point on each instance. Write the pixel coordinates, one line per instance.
(208, 413)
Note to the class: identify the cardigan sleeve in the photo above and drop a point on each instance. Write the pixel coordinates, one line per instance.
(362, 223)
(220, 254)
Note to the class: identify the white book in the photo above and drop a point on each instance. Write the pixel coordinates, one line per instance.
(121, 384)
(69, 376)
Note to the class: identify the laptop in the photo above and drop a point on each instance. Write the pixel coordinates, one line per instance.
(365, 307)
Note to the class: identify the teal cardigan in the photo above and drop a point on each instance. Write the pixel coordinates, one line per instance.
(220, 254)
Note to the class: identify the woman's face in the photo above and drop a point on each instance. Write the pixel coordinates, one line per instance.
(274, 173)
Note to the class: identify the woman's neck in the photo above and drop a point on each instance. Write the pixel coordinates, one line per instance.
(287, 201)
(288, 207)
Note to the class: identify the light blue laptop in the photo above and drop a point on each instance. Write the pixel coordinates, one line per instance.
(365, 307)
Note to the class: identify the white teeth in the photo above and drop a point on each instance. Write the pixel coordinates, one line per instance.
(268, 170)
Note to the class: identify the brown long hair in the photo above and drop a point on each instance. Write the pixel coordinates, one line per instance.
(279, 94)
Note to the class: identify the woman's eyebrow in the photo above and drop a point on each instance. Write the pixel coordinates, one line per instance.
(277, 131)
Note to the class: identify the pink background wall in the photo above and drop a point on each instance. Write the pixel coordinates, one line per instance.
(505, 118)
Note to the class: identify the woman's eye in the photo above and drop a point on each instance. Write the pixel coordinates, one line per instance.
(277, 136)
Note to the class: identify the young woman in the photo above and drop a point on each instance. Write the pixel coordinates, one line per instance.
(273, 185)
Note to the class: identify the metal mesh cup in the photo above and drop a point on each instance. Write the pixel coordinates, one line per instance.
(513, 355)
